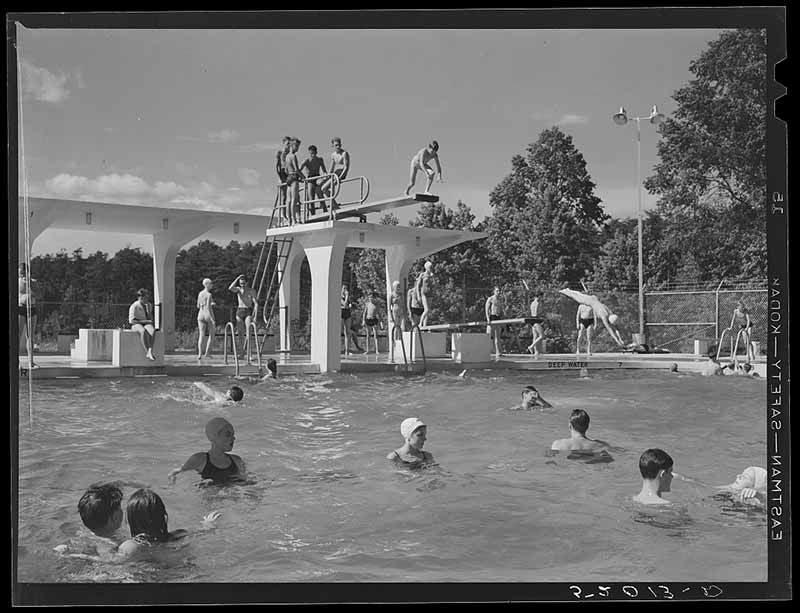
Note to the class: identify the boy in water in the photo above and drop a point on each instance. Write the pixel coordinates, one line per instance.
(655, 466)
(234, 393)
(313, 165)
(369, 320)
(414, 433)
(216, 464)
(578, 441)
(532, 399)
(100, 509)
(420, 162)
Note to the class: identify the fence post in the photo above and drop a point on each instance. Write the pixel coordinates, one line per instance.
(716, 310)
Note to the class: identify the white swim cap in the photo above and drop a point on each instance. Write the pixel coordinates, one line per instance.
(613, 318)
(206, 281)
(409, 425)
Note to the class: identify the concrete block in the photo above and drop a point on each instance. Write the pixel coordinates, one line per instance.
(472, 347)
(434, 345)
(93, 345)
(64, 343)
(128, 350)
(700, 347)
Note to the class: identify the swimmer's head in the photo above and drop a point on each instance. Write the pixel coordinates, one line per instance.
(747, 367)
(428, 266)
(753, 477)
(147, 515)
(235, 393)
(434, 145)
(272, 366)
(312, 149)
(336, 141)
(579, 421)
(496, 291)
(207, 283)
(414, 431)
(673, 367)
(215, 426)
(612, 319)
(653, 462)
(100, 508)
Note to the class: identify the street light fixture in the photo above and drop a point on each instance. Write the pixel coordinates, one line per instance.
(621, 118)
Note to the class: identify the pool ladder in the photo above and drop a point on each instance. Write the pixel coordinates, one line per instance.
(247, 346)
(734, 345)
(405, 354)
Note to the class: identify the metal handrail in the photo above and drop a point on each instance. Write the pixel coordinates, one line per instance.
(225, 346)
(421, 345)
(363, 193)
(255, 338)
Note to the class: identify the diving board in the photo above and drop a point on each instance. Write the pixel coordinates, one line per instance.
(361, 210)
(481, 324)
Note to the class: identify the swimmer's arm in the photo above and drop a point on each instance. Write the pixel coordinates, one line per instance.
(545, 404)
(195, 462)
(393, 456)
(559, 445)
(215, 395)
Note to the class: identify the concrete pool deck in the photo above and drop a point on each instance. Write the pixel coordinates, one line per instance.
(54, 366)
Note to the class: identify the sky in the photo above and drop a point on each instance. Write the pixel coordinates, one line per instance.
(192, 118)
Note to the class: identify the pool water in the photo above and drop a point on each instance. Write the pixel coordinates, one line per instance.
(324, 504)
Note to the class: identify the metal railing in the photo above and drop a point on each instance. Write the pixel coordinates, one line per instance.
(229, 326)
(330, 183)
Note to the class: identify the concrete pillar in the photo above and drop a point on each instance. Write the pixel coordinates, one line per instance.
(40, 219)
(289, 293)
(325, 252)
(164, 254)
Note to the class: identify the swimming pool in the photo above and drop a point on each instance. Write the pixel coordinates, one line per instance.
(326, 506)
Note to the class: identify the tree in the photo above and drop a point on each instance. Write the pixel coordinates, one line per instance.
(545, 222)
(712, 175)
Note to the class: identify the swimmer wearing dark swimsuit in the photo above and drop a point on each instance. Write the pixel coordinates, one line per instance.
(211, 471)
(294, 177)
(494, 317)
(243, 313)
(22, 311)
(371, 321)
(411, 464)
(587, 322)
(345, 313)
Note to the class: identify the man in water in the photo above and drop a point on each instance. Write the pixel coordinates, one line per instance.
(601, 312)
(420, 162)
(532, 399)
(578, 441)
(655, 466)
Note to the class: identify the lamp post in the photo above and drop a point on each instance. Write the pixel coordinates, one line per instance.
(655, 118)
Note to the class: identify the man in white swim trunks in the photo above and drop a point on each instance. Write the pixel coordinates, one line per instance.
(601, 312)
(420, 162)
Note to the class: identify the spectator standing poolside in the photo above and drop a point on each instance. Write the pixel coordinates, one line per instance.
(397, 314)
(370, 321)
(585, 322)
(314, 167)
(537, 332)
(423, 287)
(346, 313)
(140, 317)
(420, 162)
(655, 466)
(205, 318)
(25, 300)
(246, 310)
(741, 321)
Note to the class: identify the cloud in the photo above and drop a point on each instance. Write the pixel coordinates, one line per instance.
(43, 85)
(249, 176)
(257, 147)
(570, 119)
(219, 137)
(131, 189)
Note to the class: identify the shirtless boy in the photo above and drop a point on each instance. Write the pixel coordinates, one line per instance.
(370, 321)
(655, 466)
(585, 321)
(293, 178)
(314, 167)
(340, 166)
(494, 310)
(420, 162)
(601, 312)
(578, 441)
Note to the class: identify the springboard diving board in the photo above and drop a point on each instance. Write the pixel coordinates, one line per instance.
(481, 324)
(361, 210)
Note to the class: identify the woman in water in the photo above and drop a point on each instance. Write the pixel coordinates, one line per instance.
(411, 454)
(25, 300)
(205, 318)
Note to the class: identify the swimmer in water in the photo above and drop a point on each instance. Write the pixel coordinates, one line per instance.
(234, 393)
(578, 441)
(415, 434)
(655, 466)
(216, 464)
(272, 370)
(532, 399)
(750, 485)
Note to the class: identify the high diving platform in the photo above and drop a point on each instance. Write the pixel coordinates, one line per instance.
(361, 210)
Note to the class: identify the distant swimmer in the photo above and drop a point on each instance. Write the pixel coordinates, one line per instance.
(532, 399)
(414, 432)
(272, 370)
(750, 485)
(655, 466)
(578, 441)
(420, 162)
(215, 464)
(233, 394)
(601, 312)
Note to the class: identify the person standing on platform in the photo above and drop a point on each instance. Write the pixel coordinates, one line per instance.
(420, 162)
(370, 321)
(293, 178)
(246, 310)
(340, 166)
(423, 287)
(280, 169)
(346, 315)
(25, 300)
(205, 318)
(537, 332)
(494, 310)
(314, 166)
